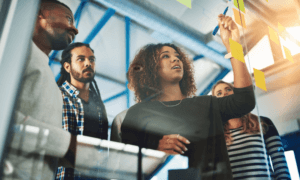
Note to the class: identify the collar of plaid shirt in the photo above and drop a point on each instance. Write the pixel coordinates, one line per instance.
(70, 89)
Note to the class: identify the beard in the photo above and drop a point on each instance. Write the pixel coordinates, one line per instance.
(78, 76)
(58, 41)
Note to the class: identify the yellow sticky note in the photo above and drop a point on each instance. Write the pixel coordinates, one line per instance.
(187, 3)
(280, 27)
(288, 54)
(260, 80)
(236, 50)
(239, 4)
(239, 19)
(273, 35)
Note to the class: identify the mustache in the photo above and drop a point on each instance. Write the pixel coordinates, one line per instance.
(88, 69)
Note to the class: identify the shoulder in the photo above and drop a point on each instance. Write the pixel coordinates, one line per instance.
(267, 121)
(120, 117)
(269, 127)
(201, 99)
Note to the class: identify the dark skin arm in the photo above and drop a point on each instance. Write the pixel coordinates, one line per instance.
(71, 153)
(173, 144)
(228, 29)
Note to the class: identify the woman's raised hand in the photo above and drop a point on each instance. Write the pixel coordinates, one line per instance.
(173, 144)
(228, 29)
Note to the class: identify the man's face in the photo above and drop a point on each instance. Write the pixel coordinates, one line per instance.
(58, 24)
(82, 67)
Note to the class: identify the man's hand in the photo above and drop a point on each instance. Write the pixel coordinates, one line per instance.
(228, 29)
(173, 144)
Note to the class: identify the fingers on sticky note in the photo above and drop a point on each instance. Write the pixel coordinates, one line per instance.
(288, 54)
(239, 18)
(236, 50)
(273, 35)
(187, 3)
(239, 4)
(260, 80)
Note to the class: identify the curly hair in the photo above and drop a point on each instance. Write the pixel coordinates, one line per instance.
(249, 121)
(143, 73)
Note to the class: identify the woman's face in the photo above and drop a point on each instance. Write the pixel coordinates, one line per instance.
(171, 67)
(222, 90)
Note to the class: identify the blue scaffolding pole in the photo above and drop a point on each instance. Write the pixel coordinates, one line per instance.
(222, 74)
(127, 34)
(78, 12)
(108, 14)
(115, 96)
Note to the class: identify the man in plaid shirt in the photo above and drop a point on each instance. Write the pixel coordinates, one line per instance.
(83, 110)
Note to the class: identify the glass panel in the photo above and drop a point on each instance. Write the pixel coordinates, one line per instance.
(271, 47)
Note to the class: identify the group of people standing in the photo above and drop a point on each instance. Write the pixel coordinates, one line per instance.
(218, 133)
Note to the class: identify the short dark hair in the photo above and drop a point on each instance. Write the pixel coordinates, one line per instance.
(55, 2)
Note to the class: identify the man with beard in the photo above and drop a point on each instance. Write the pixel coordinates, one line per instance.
(83, 110)
(39, 102)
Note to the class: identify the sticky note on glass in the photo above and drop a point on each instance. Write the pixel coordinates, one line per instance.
(239, 19)
(239, 4)
(280, 27)
(236, 50)
(187, 3)
(273, 35)
(288, 54)
(260, 80)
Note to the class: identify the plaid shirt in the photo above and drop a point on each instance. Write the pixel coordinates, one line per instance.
(73, 117)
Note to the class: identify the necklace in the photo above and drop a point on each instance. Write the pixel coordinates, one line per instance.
(170, 105)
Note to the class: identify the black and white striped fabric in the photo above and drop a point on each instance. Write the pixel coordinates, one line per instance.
(247, 157)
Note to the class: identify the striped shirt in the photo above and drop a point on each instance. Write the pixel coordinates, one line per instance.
(247, 157)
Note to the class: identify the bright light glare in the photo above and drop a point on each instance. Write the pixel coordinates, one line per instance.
(260, 56)
(294, 48)
(292, 165)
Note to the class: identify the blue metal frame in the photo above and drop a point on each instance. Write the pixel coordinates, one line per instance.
(160, 167)
(222, 74)
(127, 34)
(78, 12)
(115, 96)
(198, 57)
(108, 14)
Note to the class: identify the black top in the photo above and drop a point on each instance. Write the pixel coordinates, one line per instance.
(95, 118)
(199, 119)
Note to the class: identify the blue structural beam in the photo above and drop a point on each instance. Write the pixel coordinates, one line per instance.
(115, 96)
(198, 57)
(148, 15)
(108, 14)
(79, 11)
(222, 74)
(127, 34)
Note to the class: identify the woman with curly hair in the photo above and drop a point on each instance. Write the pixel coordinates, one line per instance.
(170, 118)
(246, 148)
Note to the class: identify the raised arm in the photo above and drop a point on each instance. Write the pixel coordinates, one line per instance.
(228, 29)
